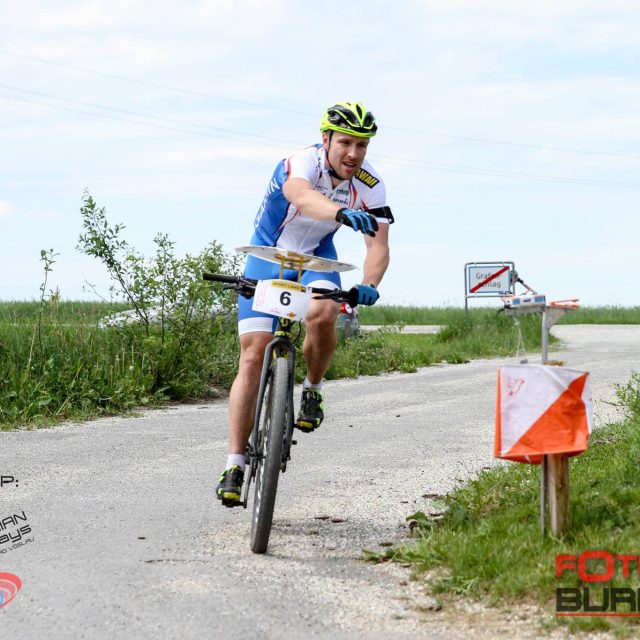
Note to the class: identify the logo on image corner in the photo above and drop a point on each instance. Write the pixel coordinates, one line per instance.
(608, 584)
(14, 528)
(9, 587)
(8, 481)
(14, 532)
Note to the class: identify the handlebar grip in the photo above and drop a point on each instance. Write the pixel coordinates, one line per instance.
(350, 297)
(217, 277)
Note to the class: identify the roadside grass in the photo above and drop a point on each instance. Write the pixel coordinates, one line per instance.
(387, 349)
(49, 373)
(68, 312)
(398, 314)
(56, 364)
(394, 314)
(484, 539)
(603, 315)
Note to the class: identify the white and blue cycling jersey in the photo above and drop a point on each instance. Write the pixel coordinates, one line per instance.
(279, 223)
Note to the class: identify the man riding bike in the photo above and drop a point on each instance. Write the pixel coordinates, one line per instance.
(310, 196)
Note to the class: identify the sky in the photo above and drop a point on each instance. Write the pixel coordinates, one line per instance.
(508, 131)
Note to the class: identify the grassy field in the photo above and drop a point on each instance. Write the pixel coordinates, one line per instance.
(381, 314)
(57, 364)
(76, 312)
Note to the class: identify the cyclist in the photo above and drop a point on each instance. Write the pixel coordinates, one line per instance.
(310, 196)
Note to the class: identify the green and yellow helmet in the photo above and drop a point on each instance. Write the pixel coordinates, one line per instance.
(349, 117)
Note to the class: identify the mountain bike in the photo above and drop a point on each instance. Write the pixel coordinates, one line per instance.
(269, 448)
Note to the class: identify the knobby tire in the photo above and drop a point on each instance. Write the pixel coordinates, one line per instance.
(273, 425)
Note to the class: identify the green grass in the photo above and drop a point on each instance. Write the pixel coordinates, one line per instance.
(603, 315)
(488, 543)
(66, 367)
(381, 314)
(387, 349)
(56, 364)
(84, 311)
(72, 311)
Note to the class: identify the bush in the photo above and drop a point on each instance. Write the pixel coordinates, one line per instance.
(52, 369)
(174, 306)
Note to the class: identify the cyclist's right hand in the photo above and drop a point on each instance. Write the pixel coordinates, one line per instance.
(366, 294)
(358, 220)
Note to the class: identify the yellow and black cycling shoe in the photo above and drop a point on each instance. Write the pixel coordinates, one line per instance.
(229, 489)
(311, 412)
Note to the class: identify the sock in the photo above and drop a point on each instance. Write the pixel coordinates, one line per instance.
(236, 459)
(309, 385)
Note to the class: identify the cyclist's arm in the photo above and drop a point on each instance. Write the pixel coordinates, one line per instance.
(377, 258)
(308, 201)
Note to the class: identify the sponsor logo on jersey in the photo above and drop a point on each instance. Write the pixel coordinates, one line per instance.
(367, 178)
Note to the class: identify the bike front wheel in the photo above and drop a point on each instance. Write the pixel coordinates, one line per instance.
(272, 427)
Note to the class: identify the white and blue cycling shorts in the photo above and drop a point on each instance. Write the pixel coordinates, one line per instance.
(250, 320)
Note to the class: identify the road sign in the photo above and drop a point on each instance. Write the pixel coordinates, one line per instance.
(488, 279)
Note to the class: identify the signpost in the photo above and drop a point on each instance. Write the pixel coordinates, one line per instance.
(554, 470)
(498, 280)
(488, 280)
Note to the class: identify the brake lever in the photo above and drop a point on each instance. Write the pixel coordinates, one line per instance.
(246, 291)
(351, 299)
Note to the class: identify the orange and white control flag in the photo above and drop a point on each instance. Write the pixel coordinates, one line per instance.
(541, 410)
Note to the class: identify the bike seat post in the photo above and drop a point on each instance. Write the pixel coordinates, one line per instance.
(300, 262)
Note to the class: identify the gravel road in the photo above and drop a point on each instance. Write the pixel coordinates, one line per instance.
(127, 542)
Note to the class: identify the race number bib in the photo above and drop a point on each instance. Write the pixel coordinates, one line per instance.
(282, 298)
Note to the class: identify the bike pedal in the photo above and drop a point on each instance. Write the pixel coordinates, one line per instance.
(232, 503)
(305, 429)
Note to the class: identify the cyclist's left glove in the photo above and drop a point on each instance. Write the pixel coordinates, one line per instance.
(367, 294)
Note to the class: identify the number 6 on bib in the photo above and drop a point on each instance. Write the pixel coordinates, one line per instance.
(282, 298)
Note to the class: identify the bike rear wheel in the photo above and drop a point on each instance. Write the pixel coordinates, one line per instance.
(270, 438)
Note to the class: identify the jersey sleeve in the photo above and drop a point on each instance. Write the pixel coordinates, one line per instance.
(377, 197)
(304, 164)
(373, 193)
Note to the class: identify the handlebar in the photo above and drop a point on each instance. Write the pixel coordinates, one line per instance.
(218, 277)
(246, 287)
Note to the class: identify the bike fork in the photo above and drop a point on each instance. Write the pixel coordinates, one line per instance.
(288, 434)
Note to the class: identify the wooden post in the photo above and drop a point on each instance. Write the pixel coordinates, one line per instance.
(543, 495)
(557, 486)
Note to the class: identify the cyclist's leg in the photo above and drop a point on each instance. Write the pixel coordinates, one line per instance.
(318, 349)
(242, 402)
(242, 398)
(255, 330)
(321, 337)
